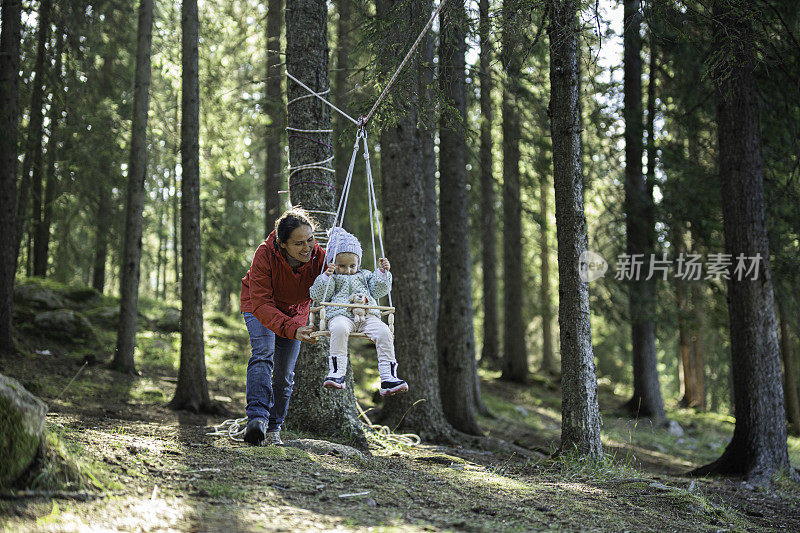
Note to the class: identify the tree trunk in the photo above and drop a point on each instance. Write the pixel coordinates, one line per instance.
(227, 273)
(41, 244)
(9, 119)
(580, 415)
(406, 216)
(683, 310)
(758, 448)
(697, 363)
(102, 221)
(314, 409)
(548, 358)
(176, 243)
(455, 341)
(789, 372)
(646, 400)
(191, 392)
(137, 171)
(273, 204)
(515, 356)
(490, 353)
(427, 90)
(344, 47)
(33, 149)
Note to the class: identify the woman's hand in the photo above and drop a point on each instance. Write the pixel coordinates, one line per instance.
(303, 334)
(384, 265)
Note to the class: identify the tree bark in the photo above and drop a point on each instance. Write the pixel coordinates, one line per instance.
(455, 340)
(32, 160)
(515, 356)
(758, 449)
(548, 358)
(314, 409)
(191, 392)
(9, 120)
(683, 309)
(490, 353)
(427, 90)
(273, 203)
(789, 372)
(697, 359)
(41, 245)
(102, 222)
(639, 227)
(137, 172)
(406, 216)
(580, 415)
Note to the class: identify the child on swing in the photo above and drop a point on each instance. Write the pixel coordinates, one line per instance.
(350, 284)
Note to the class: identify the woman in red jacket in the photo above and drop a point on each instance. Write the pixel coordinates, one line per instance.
(275, 303)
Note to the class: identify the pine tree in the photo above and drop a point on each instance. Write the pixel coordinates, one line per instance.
(580, 415)
(191, 392)
(455, 340)
(137, 170)
(314, 409)
(9, 116)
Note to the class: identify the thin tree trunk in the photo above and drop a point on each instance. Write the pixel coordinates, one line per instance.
(176, 224)
(490, 353)
(191, 392)
(580, 415)
(406, 216)
(314, 409)
(639, 226)
(683, 310)
(789, 372)
(9, 118)
(548, 358)
(33, 150)
(696, 360)
(102, 220)
(515, 356)
(275, 108)
(344, 48)
(41, 244)
(455, 340)
(226, 272)
(758, 449)
(137, 172)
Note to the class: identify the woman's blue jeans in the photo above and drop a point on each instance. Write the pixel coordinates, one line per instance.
(270, 373)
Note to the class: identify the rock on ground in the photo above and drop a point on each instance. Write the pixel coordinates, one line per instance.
(22, 416)
(63, 323)
(38, 297)
(323, 447)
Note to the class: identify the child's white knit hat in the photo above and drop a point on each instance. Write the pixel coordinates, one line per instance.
(340, 241)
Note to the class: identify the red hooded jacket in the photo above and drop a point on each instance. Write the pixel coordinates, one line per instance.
(277, 295)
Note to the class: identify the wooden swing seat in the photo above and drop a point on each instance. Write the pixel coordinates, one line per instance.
(325, 332)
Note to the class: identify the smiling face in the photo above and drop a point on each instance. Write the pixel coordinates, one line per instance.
(346, 263)
(300, 244)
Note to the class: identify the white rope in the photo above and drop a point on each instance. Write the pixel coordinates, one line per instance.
(403, 63)
(293, 100)
(289, 128)
(374, 202)
(319, 95)
(233, 428)
(316, 165)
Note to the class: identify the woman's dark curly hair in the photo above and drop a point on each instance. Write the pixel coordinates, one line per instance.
(291, 220)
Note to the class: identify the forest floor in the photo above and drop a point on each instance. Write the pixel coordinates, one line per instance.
(145, 467)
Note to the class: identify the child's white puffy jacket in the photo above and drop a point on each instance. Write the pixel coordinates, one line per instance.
(374, 285)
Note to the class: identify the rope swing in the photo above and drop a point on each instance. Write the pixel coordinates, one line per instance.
(338, 221)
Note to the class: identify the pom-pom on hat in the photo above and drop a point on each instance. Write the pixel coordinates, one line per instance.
(340, 241)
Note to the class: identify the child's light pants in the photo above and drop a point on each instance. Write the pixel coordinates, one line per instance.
(341, 326)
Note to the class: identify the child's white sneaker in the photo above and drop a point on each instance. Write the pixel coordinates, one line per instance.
(390, 388)
(337, 369)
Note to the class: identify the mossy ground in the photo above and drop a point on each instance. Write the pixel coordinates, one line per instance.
(157, 469)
